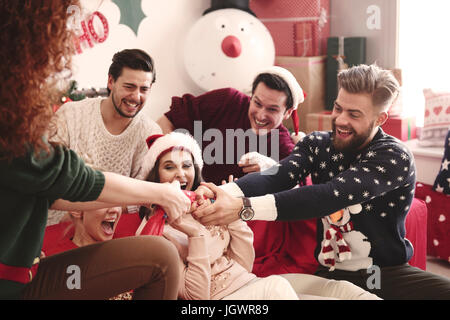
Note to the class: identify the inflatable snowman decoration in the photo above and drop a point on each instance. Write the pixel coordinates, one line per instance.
(227, 47)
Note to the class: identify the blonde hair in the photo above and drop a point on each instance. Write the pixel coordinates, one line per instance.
(371, 79)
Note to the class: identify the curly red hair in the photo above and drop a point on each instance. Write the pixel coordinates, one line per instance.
(35, 45)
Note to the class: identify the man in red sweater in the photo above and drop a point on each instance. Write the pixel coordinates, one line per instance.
(239, 124)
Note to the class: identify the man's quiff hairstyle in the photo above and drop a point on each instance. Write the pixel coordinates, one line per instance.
(380, 84)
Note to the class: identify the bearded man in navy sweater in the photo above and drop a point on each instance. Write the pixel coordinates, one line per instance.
(363, 186)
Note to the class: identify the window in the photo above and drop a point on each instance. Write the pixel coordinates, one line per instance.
(424, 51)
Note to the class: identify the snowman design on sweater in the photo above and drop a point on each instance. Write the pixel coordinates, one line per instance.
(338, 232)
(379, 179)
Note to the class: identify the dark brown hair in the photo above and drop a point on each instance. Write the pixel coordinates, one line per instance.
(135, 59)
(274, 82)
(153, 176)
(35, 47)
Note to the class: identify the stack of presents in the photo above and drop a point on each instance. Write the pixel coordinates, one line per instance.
(301, 33)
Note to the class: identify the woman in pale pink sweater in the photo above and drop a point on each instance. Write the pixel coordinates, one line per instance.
(216, 261)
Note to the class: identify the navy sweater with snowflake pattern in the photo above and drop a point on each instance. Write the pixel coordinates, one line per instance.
(380, 178)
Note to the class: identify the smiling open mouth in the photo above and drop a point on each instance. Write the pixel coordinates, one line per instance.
(108, 226)
(261, 123)
(131, 105)
(344, 133)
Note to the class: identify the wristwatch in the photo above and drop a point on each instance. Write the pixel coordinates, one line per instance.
(246, 213)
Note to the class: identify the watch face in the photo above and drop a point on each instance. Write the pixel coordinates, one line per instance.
(247, 214)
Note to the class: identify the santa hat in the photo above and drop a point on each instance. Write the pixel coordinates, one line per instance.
(297, 93)
(229, 4)
(159, 145)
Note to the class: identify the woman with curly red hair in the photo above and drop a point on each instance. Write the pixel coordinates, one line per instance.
(36, 49)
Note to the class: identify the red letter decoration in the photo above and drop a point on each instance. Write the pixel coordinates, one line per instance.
(105, 27)
(84, 36)
(87, 35)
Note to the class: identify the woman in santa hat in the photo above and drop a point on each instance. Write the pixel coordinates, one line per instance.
(215, 261)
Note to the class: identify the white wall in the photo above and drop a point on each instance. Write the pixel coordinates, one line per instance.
(349, 18)
(423, 51)
(166, 24)
(161, 34)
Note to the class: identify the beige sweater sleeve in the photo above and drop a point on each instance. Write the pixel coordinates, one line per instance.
(59, 125)
(196, 276)
(241, 247)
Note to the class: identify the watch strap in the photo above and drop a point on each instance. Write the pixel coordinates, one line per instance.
(247, 203)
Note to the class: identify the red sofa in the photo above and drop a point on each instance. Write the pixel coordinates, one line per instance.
(288, 247)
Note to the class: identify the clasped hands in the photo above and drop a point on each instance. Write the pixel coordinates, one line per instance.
(212, 206)
(224, 209)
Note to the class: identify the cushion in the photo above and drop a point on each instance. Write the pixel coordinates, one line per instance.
(438, 222)
(442, 182)
(416, 233)
(437, 118)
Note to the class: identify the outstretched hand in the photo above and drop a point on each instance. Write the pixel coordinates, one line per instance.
(230, 179)
(174, 202)
(255, 162)
(223, 211)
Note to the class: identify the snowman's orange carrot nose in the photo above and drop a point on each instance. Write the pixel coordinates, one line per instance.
(231, 46)
(335, 217)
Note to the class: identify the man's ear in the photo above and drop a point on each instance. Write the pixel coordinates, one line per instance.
(288, 113)
(76, 214)
(110, 82)
(382, 117)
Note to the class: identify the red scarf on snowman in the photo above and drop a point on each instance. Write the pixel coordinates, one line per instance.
(334, 235)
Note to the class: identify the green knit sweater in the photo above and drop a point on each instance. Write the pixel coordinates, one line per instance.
(28, 187)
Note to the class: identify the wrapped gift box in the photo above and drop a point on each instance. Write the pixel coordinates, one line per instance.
(403, 128)
(342, 53)
(320, 121)
(396, 109)
(282, 18)
(310, 74)
(304, 44)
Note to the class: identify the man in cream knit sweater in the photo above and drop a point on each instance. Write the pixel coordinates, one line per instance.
(110, 133)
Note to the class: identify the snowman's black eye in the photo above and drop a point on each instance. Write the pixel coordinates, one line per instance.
(242, 29)
(223, 26)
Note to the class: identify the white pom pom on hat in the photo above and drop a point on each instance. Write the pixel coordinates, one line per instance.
(160, 144)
